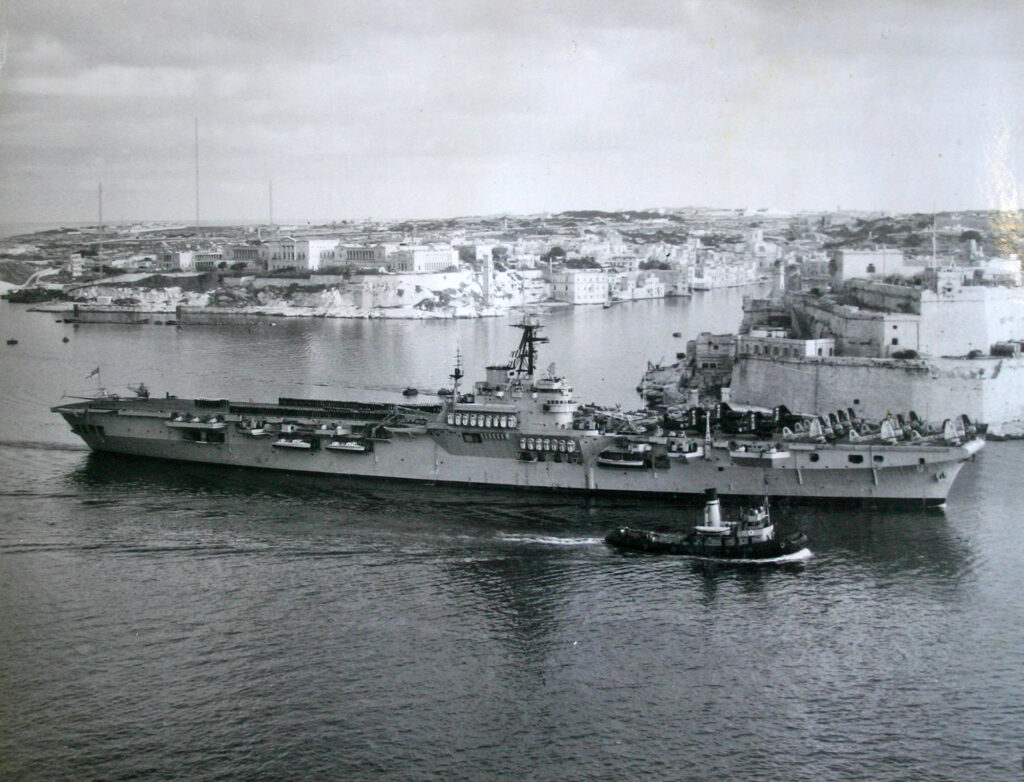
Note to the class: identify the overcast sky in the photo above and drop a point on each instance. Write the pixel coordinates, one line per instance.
(433, 109)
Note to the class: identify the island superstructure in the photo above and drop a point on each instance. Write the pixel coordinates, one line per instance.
(522, 428)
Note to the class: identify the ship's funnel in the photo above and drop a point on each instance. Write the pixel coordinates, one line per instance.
(712, 509)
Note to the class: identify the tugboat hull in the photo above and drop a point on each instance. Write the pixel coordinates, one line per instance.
(690, 545)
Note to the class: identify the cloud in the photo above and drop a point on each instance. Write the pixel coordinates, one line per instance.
(389, 107)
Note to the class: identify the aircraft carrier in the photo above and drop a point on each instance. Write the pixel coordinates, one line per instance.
(522, 429)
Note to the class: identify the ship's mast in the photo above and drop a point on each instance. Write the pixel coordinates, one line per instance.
(456, 375)
(524, 358)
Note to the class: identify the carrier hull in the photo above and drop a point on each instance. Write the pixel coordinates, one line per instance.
(899, 475)
(514, 430)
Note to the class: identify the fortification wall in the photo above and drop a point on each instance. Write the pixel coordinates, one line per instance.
(988, 390)
(974, 319)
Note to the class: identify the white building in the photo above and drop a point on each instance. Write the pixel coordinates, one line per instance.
(423, 258)
(365, 257)
(629, 286)
(248, 254)
(769, 342)
(191, 260)
(884, 262)
(300, 254)
(580, 286)
(74, 265)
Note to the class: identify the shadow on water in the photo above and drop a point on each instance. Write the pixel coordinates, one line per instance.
(102, 471)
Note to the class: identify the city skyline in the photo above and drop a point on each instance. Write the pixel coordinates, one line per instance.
(403, 110)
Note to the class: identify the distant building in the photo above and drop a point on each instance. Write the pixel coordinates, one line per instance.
(712, 351)
(944, 318)
(74, 265)
(249, 254)
(709, 361)
(777, 343)
(190, 260)
(299, 254)
(629, 286)
(884, 262)
(365, 257)
(423, 258)
(621, 263)
(580, 286)
(648, 286)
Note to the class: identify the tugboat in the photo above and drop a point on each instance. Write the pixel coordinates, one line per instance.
(751, 537)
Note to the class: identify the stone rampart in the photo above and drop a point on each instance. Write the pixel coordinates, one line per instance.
(989, 390)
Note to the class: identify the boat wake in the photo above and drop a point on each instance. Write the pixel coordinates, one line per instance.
(549, 540)
(802, 555)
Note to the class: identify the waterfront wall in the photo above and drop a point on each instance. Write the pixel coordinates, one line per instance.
(115, 314)
(989, 390)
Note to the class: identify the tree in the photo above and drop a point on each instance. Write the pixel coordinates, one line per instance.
(652, 264)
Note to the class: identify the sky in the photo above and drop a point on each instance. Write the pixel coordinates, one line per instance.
(431, 108)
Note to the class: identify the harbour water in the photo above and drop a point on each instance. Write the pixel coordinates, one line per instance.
(181, 621)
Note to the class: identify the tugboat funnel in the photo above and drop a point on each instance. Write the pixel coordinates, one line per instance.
(712, 509)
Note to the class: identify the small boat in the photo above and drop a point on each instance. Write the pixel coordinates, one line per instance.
(635, 456)
(352, 446)
(12, 342)
(677, 333)
(750, 538)
(410, 391)
(293, 442)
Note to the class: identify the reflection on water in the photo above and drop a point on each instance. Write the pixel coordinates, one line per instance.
(921, 543)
